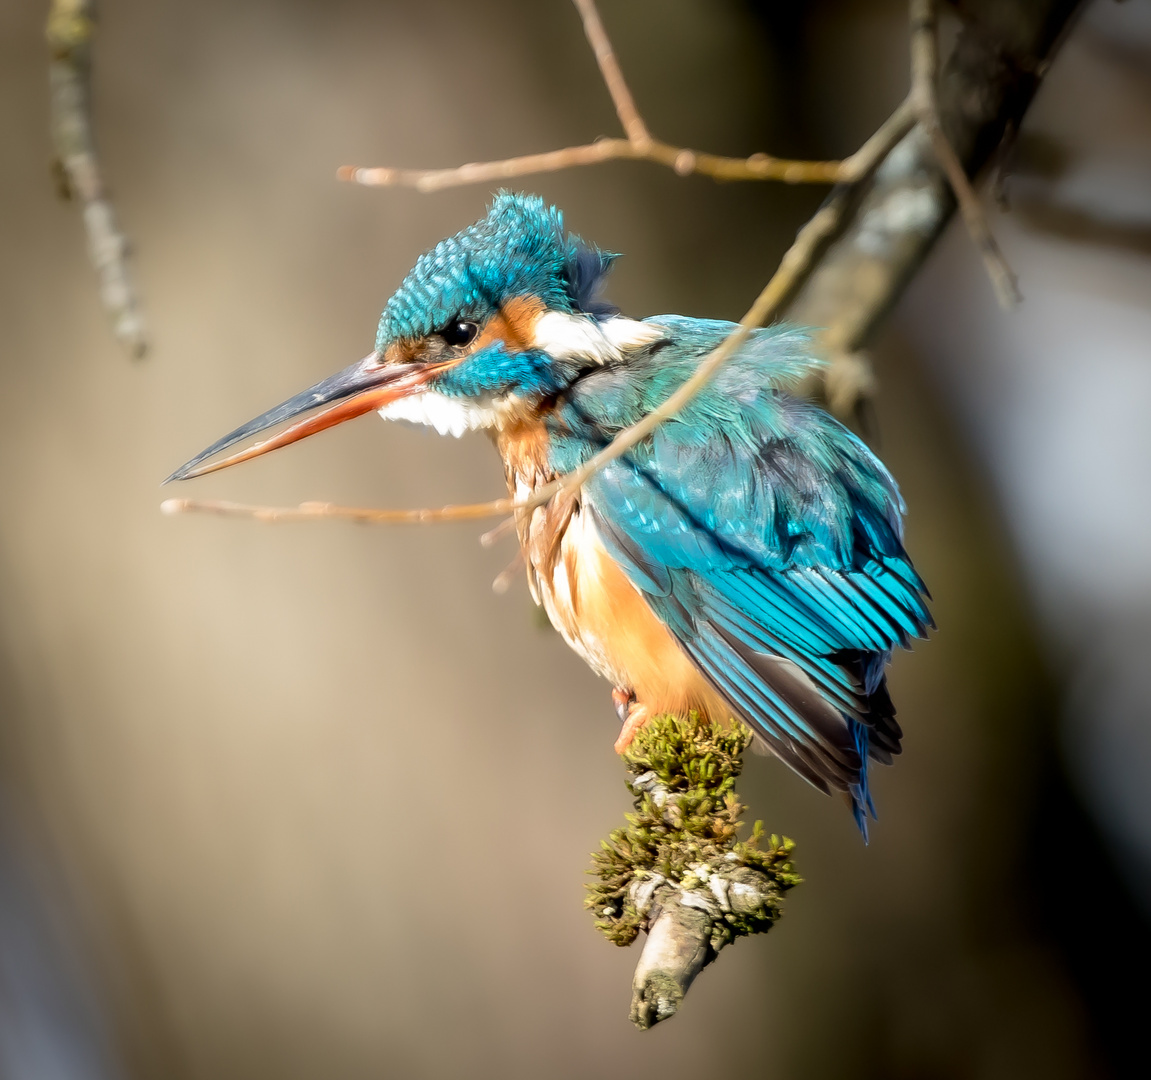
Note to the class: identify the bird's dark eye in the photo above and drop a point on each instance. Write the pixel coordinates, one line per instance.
(459, 333)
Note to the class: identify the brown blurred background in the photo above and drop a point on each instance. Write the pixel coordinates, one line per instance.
(311, 800)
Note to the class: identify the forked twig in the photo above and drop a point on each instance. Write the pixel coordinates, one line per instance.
(639, 145)
(924, 75)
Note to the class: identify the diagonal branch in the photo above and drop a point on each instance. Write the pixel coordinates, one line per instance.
(625, 106)
(793, 268)
(852, 261)
(638, 146)
(69, 33)
(924, 77)
(986, 87)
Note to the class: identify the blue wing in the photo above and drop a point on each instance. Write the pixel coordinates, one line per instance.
(768, 538)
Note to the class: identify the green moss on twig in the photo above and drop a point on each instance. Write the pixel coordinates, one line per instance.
(683, 834)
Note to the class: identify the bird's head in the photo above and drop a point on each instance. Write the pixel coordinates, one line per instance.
(490, 322)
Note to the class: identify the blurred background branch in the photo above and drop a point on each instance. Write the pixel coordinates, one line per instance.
(990, 78)
(924, 90)
(71, 25)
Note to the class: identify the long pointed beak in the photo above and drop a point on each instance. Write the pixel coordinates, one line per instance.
(362, 387)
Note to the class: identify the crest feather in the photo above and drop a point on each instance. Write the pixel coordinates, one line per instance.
(518, 249)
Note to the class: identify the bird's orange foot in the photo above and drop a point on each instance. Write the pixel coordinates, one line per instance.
(622, 698)
(637, 716)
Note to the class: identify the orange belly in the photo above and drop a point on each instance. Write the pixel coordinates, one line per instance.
(589, 599)
(605, 618)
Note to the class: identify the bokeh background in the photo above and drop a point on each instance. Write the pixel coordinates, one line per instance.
(311, 800)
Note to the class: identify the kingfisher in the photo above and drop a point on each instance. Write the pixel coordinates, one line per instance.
(746, 560)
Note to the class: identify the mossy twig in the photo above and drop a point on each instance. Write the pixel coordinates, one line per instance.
(678, 870)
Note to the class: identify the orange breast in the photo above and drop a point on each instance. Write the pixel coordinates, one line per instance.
(590, 600)
(618, 632)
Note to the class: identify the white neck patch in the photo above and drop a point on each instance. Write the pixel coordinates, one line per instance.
(448, 415)
(564, 336)
(560, 335)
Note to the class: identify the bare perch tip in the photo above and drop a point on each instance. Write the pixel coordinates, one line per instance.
(370, 177)
(173, 506)
(494, 536)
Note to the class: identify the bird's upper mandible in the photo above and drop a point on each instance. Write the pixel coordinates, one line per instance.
(502, 314)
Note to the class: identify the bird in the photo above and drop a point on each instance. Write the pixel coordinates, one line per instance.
(746, 560)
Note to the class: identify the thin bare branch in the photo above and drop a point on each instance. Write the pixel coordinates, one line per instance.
(870, 155)
(924, 77)
(625, 107)
(69, 33)
(514, 569)
(315, 511)
(1002, 276)
(683, 161)
(638, 146)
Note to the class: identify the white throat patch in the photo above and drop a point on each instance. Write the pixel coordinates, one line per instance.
(448, 415)
(564, 336)
(559, 335)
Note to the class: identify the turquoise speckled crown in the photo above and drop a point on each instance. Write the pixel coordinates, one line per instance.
(518, 249)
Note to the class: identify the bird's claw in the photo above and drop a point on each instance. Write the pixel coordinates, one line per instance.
(637, 716)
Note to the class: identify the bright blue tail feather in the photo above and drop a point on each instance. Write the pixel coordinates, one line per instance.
(862, 806)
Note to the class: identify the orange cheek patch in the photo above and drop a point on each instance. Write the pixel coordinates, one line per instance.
(514, 325)
(521, 314)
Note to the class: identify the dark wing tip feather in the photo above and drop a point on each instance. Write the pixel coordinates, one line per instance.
(793, 718)
(586, 271)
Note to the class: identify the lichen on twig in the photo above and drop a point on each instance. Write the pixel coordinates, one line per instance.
(69, 31)
(678, 870)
